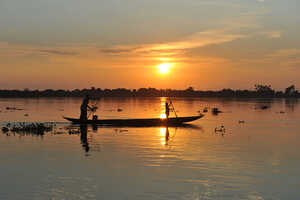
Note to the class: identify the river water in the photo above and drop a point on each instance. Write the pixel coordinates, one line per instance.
(256, 158)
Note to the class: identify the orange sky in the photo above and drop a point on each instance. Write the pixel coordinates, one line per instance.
(210, 44)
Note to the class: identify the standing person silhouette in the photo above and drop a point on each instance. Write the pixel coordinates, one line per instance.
(167, 110)
(84, 108)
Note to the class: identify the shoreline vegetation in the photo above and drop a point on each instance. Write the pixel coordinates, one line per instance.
(259, 91)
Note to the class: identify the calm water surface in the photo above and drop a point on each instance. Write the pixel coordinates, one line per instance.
(255, 160)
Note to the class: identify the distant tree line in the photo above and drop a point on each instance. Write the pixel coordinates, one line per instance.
(260, 91)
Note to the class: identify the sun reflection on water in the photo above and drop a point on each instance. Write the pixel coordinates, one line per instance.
(162, 133)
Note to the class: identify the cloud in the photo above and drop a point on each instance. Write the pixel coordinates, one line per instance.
(246, 26)
(196, 40)
(286, 53)
(58, 52)
(180, 50)
(118, 50)
(199, 39)
(13, 50)
(285, 57)
(272, 34)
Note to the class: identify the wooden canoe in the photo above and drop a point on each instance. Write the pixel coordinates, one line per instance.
(137, 122)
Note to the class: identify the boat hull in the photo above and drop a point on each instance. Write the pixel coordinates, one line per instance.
(137, 122)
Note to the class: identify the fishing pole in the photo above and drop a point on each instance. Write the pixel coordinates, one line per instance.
(93, 107)
(173, 108)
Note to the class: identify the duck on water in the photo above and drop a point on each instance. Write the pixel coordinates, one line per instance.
(84, 108)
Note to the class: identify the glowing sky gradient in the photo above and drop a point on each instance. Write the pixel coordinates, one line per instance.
(212, 44)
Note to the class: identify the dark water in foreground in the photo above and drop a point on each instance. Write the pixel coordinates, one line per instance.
(255, 160)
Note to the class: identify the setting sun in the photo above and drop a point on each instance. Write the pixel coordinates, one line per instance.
(164, 68)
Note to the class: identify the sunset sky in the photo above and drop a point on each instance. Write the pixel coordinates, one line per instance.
(207, 44)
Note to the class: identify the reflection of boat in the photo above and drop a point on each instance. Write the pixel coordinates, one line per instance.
(137, 122)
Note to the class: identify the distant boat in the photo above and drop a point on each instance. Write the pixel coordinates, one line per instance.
(137, 122)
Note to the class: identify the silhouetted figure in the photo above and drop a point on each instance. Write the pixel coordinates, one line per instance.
(83, 137)
(84, 108)
(167, 110)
